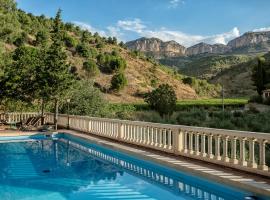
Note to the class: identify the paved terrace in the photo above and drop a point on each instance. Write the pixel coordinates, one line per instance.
(224, 175)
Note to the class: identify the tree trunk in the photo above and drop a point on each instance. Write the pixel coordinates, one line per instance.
(42, 111)
(56, 113)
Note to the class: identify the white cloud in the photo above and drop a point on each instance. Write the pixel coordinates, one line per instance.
(185, 39)
(135, 25)
(175, 3)
(90, 28)
(123, 29)
(262, 29)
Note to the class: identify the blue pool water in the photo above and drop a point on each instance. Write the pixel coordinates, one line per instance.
(69, 168)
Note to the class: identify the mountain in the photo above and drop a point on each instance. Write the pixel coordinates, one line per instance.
(250, 42)
(19, 28)
(157, 48)
(203, 48)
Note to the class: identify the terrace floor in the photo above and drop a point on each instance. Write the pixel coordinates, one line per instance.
(247, 181)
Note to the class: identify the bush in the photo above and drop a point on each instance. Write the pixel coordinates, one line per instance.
(83, 50)
(163, 99)
(85, 99)
(118, 81)
(42, 38)
(256, 99)
(69, 41)
(90, 68)
(19, 41)
(188, 80)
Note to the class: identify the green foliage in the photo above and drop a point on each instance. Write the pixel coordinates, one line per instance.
(111, 63)
(20, 40)
(189, 80)
(85, 99)
(259, 76)
(163, 99)
(19, 80)
(69, 41)
(90, 67)
(42, 38)
(83, 50)
(112, 40)
(118, 81)
(55, 77)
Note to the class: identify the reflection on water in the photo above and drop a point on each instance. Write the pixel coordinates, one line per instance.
(64, 169)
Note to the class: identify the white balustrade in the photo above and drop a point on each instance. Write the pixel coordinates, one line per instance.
(238, 149)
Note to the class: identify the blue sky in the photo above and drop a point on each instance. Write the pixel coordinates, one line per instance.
(185, 21)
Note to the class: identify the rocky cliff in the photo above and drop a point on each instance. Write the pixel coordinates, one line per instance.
(248, 42)
(157, 48)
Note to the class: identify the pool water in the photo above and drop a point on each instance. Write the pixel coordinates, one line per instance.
(69, 168)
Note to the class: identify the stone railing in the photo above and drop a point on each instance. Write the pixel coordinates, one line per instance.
(16, 117)
(237, 149)
(242, 150)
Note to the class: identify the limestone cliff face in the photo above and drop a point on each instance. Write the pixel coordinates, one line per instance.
(248, 42)
(157, 48)
(203, 48)
(250, 39)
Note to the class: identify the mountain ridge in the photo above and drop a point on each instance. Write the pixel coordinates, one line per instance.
(249, 42)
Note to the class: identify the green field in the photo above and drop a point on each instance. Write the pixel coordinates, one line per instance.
(185, 104)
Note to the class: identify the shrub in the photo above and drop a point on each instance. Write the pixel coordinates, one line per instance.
(19, 41)
(256, 99)
(83, 50)
(163, 100)
(90, 68)
(118, 81)
(188, 80)
(69, 41)
(42, 38)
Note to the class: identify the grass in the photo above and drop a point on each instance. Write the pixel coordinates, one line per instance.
(212, 102)
(187, 104)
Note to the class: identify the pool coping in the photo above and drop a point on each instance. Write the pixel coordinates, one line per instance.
(242, 180)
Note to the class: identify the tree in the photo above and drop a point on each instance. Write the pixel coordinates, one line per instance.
(18, 82)
(55, 77)
(83, 50)
(85, 99)
(163, 100)
(90, 67)
(118, 81)
(19, 41)
(42, 38)
(259, 76)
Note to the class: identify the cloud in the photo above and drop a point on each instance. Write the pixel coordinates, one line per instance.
(165, 34)
(123, 29)
(175, 3)
(262, 29)
(135, 25)
(90, 28)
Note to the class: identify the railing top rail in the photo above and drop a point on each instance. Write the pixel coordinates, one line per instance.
(201, 130)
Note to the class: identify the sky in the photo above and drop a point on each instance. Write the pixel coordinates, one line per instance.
(188, 22)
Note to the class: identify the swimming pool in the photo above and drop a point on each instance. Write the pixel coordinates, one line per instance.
(65, 167)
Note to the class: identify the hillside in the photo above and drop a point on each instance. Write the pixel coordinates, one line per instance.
(143, 74)
(205, 66)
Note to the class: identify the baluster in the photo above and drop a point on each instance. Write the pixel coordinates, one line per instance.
(185, 150)
(243, 151)
(165, 139)
(262, 165)
(197, 149)
(233, 150)
(251, 160)
(190, 143)
(210, 151)
(160, 137)
(156, 137)
(152, 136)
(225, 157)
(217, 147)
(203, 153)
(170, 139)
